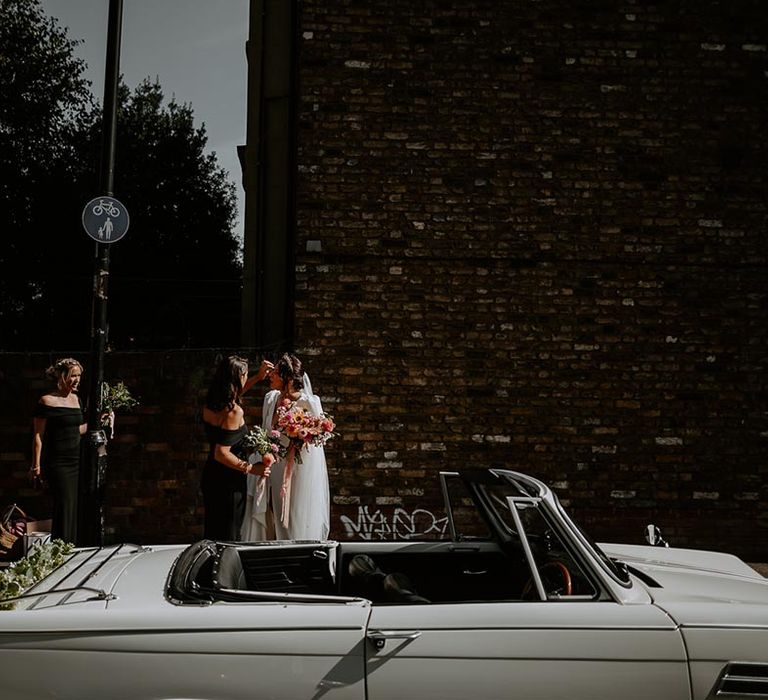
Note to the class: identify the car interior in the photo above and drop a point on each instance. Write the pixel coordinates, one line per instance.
(486, 557)
(386, 573)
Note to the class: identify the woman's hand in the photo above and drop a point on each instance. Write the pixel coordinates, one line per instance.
(261, 469)
(264, 369)
(34, 476)
(258, 469)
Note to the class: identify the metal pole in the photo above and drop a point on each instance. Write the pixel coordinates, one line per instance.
(90, 520)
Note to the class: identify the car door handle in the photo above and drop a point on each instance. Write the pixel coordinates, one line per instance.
(379, 637)
(468, 572)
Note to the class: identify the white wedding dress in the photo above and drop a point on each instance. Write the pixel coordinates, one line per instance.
(310, 500)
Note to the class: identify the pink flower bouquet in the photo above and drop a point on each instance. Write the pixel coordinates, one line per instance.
(303, 429)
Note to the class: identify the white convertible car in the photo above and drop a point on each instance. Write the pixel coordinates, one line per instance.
(519, 603)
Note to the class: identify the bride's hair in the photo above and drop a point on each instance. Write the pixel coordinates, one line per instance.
(289, 368)
(226, 385)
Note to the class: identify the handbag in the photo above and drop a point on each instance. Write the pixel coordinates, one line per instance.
(13, 527)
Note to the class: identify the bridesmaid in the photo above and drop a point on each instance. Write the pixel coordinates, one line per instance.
(224, 474)
(57, 426)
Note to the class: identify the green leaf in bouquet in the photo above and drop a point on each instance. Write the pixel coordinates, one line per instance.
(116, 397)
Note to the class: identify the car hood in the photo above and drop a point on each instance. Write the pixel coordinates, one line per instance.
(697, 586)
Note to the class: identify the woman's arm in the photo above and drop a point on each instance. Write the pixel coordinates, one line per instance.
(38, 430)
(223, 453)
(264, 369)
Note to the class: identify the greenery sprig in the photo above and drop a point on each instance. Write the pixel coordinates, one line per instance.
(25, 573)
(116, 397)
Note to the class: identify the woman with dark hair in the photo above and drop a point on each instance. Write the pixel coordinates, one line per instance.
(57, 426)
(305, 514)
(224, 474)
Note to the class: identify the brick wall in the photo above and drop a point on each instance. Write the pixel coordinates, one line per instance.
(542, 245)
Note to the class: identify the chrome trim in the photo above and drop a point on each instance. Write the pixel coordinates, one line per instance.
(447, 501)
(511, 501)
(379, 637)
(101, 594)
(286, 597)
(742, 678)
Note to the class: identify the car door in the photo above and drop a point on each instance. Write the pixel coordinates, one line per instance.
(228, 651)
(561, 632)
(134, 644)
(487, 651)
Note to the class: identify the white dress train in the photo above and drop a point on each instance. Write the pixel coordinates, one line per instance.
(310, 501)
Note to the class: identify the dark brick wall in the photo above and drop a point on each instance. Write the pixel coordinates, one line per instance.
(541, 232)
(156, 458)
(542, 245)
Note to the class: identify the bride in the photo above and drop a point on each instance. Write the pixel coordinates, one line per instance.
(305, 513)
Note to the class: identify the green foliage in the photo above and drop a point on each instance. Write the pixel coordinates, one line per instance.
(116, 398)
(175, 277)
(44, 103)
(25, 573)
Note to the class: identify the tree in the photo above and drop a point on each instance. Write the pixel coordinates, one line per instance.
(175, 277)
(44, 102)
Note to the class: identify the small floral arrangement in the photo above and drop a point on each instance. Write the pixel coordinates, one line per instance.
(261, 442)
(301, 428)
(25, 573)
(114, 398)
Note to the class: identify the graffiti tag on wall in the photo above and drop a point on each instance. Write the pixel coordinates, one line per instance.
(401, 525)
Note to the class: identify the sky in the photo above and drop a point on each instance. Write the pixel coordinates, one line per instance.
(196, 48)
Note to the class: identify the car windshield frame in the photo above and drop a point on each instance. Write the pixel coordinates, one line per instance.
(618, 574)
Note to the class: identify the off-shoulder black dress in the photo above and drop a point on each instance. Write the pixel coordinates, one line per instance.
(60, 465)
(223, 488)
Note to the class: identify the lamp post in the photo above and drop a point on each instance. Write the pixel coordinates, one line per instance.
(94, 464)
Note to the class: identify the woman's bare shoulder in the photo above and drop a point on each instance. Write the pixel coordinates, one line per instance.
(230, 419)
(50, 400)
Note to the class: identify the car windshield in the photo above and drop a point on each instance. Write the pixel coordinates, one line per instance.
(613, 567)
(618, 572)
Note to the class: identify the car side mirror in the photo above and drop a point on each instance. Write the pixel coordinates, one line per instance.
(653, 536)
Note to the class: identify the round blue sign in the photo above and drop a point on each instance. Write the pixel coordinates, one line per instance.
(105, 219)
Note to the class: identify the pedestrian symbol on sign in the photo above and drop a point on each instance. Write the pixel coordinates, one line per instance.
(105, 219)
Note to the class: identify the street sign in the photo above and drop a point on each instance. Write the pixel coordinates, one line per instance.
(105, 219)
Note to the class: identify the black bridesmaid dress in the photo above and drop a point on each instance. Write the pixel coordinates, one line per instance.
(60, 465)
(223, 488)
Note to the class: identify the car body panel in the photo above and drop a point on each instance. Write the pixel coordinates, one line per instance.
(153, 623)
(224, 650)
(541, 649)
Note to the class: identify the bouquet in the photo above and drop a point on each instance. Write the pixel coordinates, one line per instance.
(115, 397)
(260, 445)
(302, 428)
(298, 429)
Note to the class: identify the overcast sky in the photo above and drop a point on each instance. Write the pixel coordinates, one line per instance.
(195, 47)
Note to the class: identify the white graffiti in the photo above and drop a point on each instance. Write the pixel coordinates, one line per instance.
(403, 525)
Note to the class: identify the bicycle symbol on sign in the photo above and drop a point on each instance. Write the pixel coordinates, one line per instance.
(105, 219)
(106, 207)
